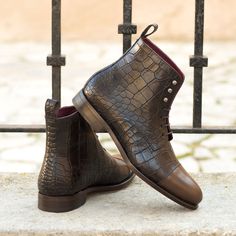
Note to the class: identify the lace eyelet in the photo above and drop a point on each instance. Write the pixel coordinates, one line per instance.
(174, 82)
(165, 99)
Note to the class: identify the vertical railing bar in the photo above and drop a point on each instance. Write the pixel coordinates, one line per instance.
(127, 19)
(56, 60)
(198, 61)
(56, 27)
(199, 27)
(198, 50)
(127, 28)
(56, 48)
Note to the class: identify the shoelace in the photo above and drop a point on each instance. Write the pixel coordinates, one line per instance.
(166, 123)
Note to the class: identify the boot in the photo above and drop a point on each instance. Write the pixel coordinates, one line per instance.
(75, 163)
(131, 99)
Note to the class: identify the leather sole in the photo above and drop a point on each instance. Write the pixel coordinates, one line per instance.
(98, 123)
(71, 202)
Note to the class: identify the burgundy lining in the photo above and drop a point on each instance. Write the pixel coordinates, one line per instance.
(65, 111)
(163, 56)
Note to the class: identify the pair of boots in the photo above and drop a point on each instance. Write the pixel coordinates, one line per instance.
(130, 99)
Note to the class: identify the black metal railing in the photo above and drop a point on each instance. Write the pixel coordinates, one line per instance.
(197, 61)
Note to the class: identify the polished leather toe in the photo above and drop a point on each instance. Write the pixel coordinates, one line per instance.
(181, 185)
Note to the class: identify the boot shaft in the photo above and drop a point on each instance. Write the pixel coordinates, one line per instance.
(61, 160)
(143, 75)
(141, 85)
(74, 159)
(62, 129)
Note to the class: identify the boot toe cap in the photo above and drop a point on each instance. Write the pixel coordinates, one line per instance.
(181, 185)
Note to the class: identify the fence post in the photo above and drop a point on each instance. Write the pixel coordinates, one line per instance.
(198, 61)
(127, 28)
(56, 60)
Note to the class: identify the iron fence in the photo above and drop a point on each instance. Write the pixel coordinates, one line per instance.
(197, 61)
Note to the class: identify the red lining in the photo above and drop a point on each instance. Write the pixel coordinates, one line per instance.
(163, 56)
(65, 111)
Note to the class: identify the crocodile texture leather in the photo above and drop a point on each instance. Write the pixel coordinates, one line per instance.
(133, 105)
(74, 159)
(134, 96)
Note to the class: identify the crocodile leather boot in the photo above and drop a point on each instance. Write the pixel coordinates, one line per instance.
(75, 163)
(131, 99)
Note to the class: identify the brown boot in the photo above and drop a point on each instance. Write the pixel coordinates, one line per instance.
(131, 99)
(75, 163)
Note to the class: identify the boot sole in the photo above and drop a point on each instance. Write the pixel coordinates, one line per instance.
(71, 202)
(98, 123)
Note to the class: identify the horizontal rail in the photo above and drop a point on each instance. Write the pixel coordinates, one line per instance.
(204, 130)
(22, 128)
(175, 129)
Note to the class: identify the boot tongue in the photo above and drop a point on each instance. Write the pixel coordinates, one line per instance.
(145, 32)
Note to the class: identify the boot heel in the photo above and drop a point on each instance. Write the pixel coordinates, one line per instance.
(88, 112)
(61, 203)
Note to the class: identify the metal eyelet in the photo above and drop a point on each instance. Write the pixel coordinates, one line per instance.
(174, 82)
(165, 99)
(170, 90)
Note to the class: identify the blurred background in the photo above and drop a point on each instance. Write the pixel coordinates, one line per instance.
(90, 42)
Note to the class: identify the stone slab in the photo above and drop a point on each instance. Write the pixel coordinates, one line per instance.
(135, 210)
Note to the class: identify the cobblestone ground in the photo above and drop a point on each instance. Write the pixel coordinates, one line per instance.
(25, 85)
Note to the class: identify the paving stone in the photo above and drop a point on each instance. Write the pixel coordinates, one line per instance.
(190, 164)
(222, 140)
(203, 153)
(226, 165)
(227, 153)
(181, 149)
